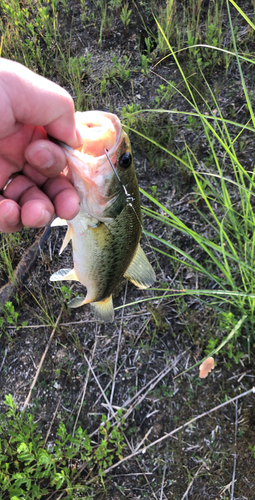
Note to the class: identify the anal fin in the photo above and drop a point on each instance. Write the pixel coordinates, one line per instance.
(140, 272)
(77, 302)
(103, 310)
(63, 275)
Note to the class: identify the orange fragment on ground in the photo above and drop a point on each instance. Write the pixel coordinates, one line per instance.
(206, 367)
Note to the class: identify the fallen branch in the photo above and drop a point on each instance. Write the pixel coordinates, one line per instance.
(23, 267)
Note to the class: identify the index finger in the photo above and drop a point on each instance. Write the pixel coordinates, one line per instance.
(34, 100)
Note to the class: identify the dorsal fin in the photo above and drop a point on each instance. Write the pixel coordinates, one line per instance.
(140, 271)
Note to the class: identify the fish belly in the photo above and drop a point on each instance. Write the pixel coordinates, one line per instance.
(92, 245)
(103, 252)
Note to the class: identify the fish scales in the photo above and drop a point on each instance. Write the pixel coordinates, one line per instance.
(105, 234)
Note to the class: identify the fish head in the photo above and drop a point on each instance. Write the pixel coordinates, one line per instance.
(102, 170)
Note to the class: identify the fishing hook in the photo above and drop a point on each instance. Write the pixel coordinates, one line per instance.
(129, 198)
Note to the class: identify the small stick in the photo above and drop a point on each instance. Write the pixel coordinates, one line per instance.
(52, 420)
(28, 259)
(162, 485)
(5, 354)
(99, 385)
(85, 387)
(145, 437)
(151, 386)
(109, 383)
(135, 400)
(142, 330)
(192, 481)
(42, 360)
(234, 468)
(118, 348)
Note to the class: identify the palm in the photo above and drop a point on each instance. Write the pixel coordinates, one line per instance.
(32, 105)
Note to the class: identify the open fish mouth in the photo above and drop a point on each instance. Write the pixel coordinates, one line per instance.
(100, 131)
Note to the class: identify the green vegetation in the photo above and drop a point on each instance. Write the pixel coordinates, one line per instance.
(30, 469)
(224, 195)
(10, 317)
(125, 17)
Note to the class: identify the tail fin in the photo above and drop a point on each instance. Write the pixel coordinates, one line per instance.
(103, 310)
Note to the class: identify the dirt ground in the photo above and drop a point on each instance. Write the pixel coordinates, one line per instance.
(163, 336)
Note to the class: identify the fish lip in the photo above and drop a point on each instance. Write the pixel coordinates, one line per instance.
(94, 160)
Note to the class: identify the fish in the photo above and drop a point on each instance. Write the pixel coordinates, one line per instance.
(106, 232)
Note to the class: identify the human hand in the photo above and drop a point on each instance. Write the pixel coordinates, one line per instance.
(32, 187)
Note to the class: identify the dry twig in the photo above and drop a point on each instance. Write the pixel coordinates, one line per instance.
(192, 481)
(85, 384)
(234, 468)
(28, 259)
(118, 347)
(99, 385)
(42, 360)
(5, 354)
(52, 420)
(138, 398)
(162, 485)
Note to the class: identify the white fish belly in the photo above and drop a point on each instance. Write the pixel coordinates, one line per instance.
(91, 252)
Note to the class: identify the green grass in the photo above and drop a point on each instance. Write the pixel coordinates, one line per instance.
(224, 200)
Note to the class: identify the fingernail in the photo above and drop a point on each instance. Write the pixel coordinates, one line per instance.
(40, 157)
(44, 218)
(6, 217)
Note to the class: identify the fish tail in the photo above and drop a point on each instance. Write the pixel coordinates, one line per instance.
(103, 310)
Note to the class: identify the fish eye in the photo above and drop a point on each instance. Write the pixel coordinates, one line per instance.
(125, 160)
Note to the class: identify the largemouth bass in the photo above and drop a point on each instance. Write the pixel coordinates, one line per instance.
(105, 234)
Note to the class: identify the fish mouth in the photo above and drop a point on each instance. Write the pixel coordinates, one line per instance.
(100, 131)
(89, 168)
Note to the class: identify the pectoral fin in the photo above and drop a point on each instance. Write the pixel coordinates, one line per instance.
(63, 275)
(103, 310)
(67, 238)
(140, 271)
(58, 222)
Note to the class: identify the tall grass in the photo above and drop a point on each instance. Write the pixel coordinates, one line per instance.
(224, 201)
